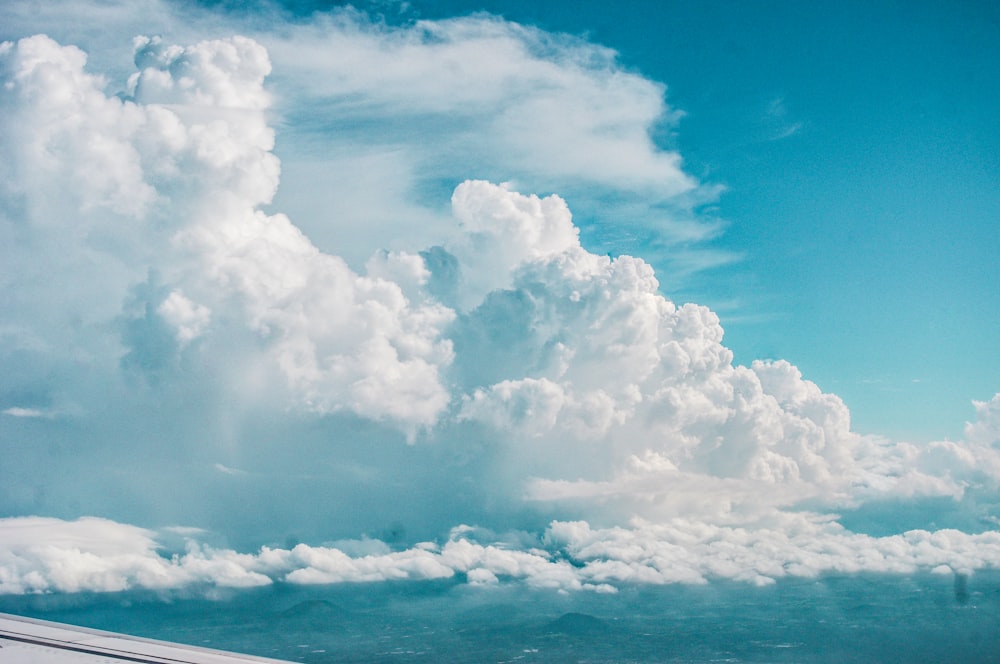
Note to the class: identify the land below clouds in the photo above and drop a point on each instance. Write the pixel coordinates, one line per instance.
(832, 618)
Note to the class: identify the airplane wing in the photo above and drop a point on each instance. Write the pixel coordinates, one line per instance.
(30, 641)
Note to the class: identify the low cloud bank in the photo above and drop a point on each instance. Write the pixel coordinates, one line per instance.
(48, 555)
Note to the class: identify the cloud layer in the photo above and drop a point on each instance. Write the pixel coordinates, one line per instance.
(179, 351)
(48, 555)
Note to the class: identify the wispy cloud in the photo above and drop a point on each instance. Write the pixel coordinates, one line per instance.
(778, 118)
(226, 470)
(17, 411)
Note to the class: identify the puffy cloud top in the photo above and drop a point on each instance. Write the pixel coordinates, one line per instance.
(193, 138)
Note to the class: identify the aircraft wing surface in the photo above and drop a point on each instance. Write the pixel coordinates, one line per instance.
(30, 641)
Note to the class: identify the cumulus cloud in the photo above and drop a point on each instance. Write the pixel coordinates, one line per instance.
(90, 554)
(155, 287)
(192, 136)
(985, 431)
(189, 318)
(674, 406)
(47, 555)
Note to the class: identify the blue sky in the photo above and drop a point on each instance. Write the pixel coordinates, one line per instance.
(311, 294)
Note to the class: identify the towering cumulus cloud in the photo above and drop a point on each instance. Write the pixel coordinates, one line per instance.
(177, 351)
(180, 168)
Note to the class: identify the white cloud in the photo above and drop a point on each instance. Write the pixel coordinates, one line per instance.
(610, 399)
(985, 431)
(153, 279)
(195, 140)
(189, 318)
(56, 99)
(437, 101)
(379, 122)
(543, 103)
(48, 555)
(17, 411)
(602, 356)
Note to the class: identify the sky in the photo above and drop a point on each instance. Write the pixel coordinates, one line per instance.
(563, 294)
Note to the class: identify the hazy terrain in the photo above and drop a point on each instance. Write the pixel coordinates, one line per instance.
(867, 618)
